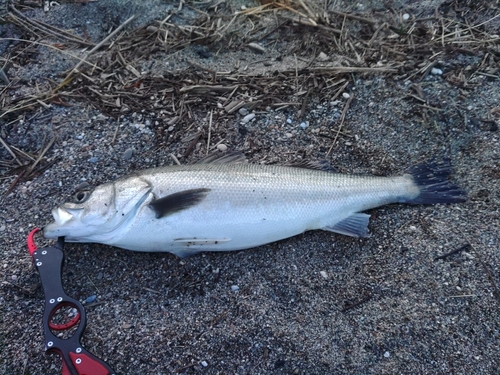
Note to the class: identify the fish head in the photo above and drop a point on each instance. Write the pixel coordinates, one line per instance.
(95, 215)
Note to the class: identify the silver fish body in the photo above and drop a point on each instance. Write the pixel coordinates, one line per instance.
(233, 206)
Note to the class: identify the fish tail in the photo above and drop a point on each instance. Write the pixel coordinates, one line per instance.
(432, 178)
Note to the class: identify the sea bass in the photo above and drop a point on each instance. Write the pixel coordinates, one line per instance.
(224, 204)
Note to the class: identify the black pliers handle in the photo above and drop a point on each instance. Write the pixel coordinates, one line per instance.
(76, 360)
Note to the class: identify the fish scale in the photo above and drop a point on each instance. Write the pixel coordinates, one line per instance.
(226, 205)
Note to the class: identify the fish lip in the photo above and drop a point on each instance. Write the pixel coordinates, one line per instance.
(50, 231)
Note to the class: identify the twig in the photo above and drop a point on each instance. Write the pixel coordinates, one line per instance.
(115, 134)
(303, 4)
(356, 304)
(191, 145)
(209, 131)
(304, 104)
(30, 169)
(353, 69)
(49, 29)
(339, 91)
(14, 183)
(10, 151)
(99, 45)
(312, 22)
(342, 118)
(461, 248)
(174, 158)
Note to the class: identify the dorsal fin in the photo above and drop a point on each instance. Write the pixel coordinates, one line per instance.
(320, 165)
(232, 157)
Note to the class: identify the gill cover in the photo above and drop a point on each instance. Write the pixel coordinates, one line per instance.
(129, 194)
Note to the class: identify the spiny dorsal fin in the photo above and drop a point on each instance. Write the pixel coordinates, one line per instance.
(232, 157)
(320, 165)
(177, 202)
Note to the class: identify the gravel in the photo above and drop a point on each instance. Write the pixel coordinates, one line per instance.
(318, 303)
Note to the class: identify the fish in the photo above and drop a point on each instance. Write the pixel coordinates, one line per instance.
(223, 203)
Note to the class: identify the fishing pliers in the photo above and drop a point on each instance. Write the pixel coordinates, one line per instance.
(62, 314)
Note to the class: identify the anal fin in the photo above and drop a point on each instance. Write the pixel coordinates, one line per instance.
(355, 225)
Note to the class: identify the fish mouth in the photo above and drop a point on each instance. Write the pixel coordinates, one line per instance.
(61, 216)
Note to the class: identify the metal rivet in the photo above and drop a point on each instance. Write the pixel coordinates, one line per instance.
(50, 343)
(44, 252)
(78, 350)
(78, 361)
(39, 264)
(59, 299)
(52, 300)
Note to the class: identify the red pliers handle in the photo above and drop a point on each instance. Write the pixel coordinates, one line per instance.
(76, 360)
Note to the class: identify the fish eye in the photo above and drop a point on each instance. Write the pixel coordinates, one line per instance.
(81, 196)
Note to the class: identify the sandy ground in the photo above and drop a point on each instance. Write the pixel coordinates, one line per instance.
(318, 303)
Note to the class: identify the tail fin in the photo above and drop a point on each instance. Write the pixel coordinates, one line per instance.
(433, 180)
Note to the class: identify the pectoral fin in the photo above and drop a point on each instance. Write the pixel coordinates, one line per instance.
(355, 225)
(177, 202)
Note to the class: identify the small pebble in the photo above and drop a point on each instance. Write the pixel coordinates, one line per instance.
(243, 111)
(93, 160)
(222, 147)
(289, 120)
(288, 135)
(323, 274)
(248, 118)
(406, 16)
(14, 277)
(387, 354)
(346, 95)
(204, 364)
(128, 153)
(171, 128)
(322, 56)
(436, 71)
(235, 288)
(304, 125)
(91, 299)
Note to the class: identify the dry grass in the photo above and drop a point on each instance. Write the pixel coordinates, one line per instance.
(336, 47)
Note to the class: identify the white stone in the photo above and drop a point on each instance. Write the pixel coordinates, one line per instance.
(248, 118)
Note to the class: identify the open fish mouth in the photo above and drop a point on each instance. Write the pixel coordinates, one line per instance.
(61, 216)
